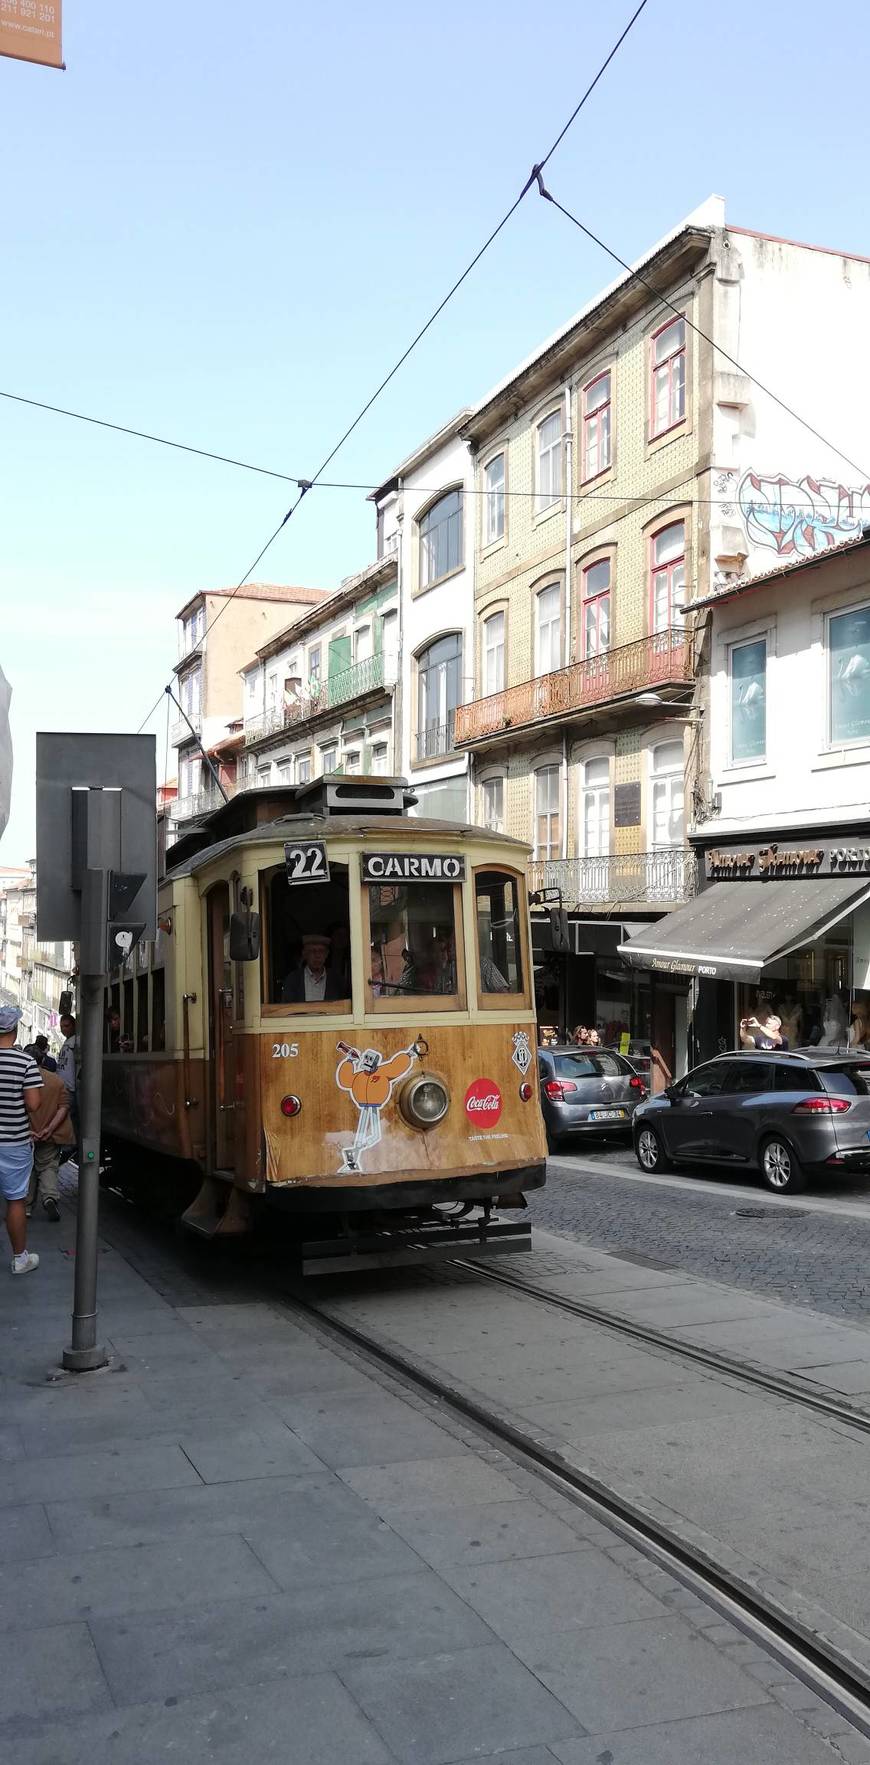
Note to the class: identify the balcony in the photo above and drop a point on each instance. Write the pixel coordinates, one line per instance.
(660, 878)
(199, 803)
(374, 674)
(435, 740)
(650, 663)
(179, 731)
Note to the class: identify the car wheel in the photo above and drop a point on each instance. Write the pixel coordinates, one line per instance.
(780, 1167)
(649, 1151)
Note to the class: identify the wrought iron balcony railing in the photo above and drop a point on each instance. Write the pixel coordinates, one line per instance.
(663, 659)
(667, 875)
(364, 677)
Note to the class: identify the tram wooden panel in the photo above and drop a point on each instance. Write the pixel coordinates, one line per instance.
(147, 1100)
(310, 1148)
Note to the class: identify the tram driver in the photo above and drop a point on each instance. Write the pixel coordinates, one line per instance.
(311, 980)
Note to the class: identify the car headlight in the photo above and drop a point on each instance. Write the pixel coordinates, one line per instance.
(424, 1102)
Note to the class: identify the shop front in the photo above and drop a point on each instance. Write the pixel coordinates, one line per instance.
(643, 1013)
(781, 928)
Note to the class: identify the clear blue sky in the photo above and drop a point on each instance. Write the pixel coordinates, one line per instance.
(224, 221)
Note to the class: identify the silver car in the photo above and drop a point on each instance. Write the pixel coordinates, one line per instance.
(587, 1091)
(788, 1115)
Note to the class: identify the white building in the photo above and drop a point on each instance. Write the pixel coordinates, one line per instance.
(33, 972)
(782, 821)
(318, 696)
(424, 522)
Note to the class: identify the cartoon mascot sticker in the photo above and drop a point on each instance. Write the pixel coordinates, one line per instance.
(371, 1080)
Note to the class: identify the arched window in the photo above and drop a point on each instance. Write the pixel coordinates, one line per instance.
(548, 461)
(548, 629)
(441, 538)
(493, 653)
(493, 522)
(595, 615)
(667, 795)
(548, 820)
(492, 802)
(439, 691)
(595, 807)
(667, 574)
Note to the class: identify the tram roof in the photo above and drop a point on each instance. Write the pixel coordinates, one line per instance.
(383, 828)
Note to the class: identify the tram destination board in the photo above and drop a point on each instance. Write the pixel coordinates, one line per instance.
(411, 867)
(306, 861)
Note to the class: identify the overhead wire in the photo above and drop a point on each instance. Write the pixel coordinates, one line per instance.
(306, 484)
(698, 330)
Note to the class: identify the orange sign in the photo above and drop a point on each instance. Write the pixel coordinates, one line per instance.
(30, 30)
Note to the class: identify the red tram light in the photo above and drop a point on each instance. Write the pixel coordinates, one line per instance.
(526, 1091)
(290, 1106)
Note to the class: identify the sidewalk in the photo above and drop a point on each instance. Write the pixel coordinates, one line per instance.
(241, 1544)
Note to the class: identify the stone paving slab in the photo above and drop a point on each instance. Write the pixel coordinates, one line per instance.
(735, 1737)
(229, 1562)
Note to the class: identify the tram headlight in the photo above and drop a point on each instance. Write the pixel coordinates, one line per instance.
(424, 1102)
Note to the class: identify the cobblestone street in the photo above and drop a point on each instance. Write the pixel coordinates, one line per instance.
(804, 1256)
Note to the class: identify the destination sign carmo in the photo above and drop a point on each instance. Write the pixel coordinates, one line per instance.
(408, 867)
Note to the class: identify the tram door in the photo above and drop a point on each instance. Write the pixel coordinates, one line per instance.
(220, 1029)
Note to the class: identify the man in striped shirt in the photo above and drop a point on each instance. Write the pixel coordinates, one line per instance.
(20, 1087)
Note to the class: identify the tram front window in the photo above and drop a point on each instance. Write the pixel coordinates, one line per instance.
(413, 941)
(306, 947)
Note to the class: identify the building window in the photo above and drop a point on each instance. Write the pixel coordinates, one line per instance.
(668, 794)
(548, 631)
(441, 538)
(380, 759)
(548, 820)
(252, 689)
(328, 758)
(668, 574)
(493, 526)
(264, 776)
(595, 811)
(492, 794)
(272, 692)
(314, 665)
(439, 691)
(849, 675)
(493, 653)
(596, 426)
(303, 768)
(191, 691)
(362, 643)
(351, 760)
(595, 612)
(668, 376)
(192, 630)
(549, 461)
(389, 633)
(747, 671)
(284, 772)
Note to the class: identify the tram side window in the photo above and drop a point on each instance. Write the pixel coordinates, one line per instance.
(413, 940)
(112, 1033)
(158, 1011)
(499, 957)
(306, 949)
(142, 1013)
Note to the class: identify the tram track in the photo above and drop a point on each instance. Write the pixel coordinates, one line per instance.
(828, 1671)
(782, 1385)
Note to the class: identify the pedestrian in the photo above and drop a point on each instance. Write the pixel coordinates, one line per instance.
(44, 1058)
(21, 1084)
(67, 1066)
(52, 1131)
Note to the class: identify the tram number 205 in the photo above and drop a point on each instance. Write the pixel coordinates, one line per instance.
(285, 1050)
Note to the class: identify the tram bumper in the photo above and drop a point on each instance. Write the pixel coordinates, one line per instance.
(426, 1240)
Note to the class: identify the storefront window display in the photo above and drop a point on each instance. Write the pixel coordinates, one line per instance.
(811, 994)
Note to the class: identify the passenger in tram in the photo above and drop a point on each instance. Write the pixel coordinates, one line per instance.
(311, 980)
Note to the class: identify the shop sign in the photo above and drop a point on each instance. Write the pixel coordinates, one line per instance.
(30, 30)
(406, 867)
(741, 864)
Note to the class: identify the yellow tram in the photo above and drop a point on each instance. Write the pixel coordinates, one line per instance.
(336, 1018)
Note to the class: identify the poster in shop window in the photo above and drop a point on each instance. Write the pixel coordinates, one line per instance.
(30, 30)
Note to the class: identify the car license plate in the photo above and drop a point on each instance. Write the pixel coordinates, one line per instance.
(607, 1115)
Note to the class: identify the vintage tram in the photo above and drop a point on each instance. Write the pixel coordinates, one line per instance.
(335, 1019)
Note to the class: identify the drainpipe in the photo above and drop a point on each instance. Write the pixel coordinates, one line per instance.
(569, 485)
(569, 610)
(399, 688)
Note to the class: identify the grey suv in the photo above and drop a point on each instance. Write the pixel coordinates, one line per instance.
(788, 1115)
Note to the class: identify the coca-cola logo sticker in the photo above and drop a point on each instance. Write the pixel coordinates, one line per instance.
(483, 1103)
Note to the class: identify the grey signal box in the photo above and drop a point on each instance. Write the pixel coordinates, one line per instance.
(96, 809)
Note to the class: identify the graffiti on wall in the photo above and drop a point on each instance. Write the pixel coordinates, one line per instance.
(800, 518)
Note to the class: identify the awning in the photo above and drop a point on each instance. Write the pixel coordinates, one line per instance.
(732, 930)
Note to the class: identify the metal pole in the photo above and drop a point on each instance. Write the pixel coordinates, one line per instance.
(84, 1353)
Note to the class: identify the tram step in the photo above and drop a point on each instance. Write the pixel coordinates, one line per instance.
(218, 1210)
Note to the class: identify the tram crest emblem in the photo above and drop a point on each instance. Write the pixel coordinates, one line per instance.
(522, 1054)
(371, 1080)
